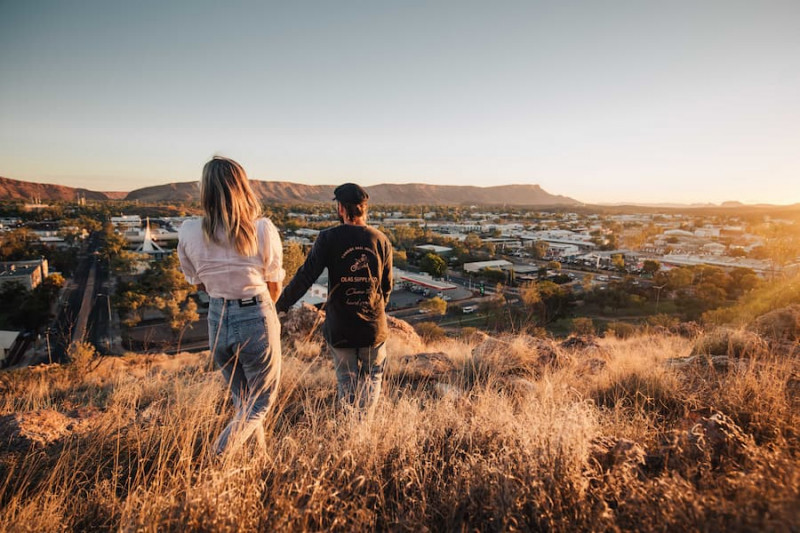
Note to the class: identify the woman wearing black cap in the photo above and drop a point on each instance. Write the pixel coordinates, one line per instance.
(359, 262)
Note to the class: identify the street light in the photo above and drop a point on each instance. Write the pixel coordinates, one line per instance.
(658, 294)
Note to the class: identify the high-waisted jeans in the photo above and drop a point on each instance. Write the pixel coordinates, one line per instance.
(246, 346)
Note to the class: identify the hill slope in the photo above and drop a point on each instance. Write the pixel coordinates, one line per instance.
(482, 434)
(24, 190)
(407, 193)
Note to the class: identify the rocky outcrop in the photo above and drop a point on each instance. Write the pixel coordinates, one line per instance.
(782, 325)
(303, 323)
(403, 331)
(420, 367)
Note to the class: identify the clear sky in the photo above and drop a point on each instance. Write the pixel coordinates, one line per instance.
(603, 101)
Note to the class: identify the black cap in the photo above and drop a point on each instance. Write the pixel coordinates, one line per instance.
(350, 193)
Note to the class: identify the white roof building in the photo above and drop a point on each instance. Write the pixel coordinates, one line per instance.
(7, 340)
(127, 221)
(434, 248)
(477, 266)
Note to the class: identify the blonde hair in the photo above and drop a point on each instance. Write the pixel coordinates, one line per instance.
(230, 205)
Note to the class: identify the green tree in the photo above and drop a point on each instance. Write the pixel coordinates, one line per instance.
(539, 249)
(742, 281)
(435, 305)
(651, 266)
(433, 265)
(530, 295)
(618, 262)
(554, 265)
(293, 258)
(179, 317)
(400, 258)
(583, 326)
(472, 242)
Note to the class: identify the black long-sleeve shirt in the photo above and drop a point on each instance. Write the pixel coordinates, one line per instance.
(359, 262)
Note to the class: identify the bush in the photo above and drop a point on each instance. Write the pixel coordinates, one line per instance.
(665, 321)
(430, 331)
(621, 330)
(736, 343)
(583, 326)
(81, 355)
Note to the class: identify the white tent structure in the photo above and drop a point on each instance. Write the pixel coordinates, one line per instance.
(149, 246)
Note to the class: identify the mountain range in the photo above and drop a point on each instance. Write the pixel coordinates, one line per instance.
(286, 192)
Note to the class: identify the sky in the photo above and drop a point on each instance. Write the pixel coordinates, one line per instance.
(602, 101)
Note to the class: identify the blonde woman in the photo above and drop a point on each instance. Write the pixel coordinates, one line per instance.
(235, 255)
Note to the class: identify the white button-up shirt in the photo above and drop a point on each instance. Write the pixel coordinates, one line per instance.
(224, 272)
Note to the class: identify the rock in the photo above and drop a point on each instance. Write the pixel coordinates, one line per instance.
(593, 365)
(447, 390)
(720, 438)
(402, 330)
(581, 343)
(688, 330)
(611, 453)
(303, 323)
(38, 429)
(713, 440)
(517, 386)
(435, 366)
(720, 363)
(782, 325)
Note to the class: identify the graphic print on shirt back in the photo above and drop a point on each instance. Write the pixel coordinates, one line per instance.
(359, 282)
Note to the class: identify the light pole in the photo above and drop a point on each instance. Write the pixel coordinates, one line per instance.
(658, 294)
(49, 354)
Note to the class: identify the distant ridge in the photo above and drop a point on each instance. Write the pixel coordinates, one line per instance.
(25, 190)
(407, 193)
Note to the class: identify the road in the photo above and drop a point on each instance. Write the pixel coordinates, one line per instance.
(66, 325)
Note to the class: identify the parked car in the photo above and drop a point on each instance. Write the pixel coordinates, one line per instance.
(467, 309)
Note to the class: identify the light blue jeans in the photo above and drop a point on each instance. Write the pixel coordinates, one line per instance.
(359, 375)
(246, 346)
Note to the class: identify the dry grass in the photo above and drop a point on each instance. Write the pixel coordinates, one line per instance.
(513, 436)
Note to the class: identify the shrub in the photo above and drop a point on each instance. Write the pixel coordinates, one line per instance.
(583, 326)
(665, 321)
(430, 331)
(81, 355)
(736, 343)
(621, 330)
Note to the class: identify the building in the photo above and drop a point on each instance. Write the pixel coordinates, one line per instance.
(477, 266)
(403, 221)
(443, 251)
(127, 221)
(29, 274)
(149, 246)
(7, 341)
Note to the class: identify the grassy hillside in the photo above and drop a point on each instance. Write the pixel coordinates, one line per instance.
(771, 296)
(488, 434)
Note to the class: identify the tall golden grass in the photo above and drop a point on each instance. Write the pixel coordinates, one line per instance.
(595, 439)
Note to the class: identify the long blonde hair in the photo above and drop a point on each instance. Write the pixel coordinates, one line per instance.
(230, 205)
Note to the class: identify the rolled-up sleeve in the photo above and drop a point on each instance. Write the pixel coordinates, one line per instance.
(273, 259)
(187, 267)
